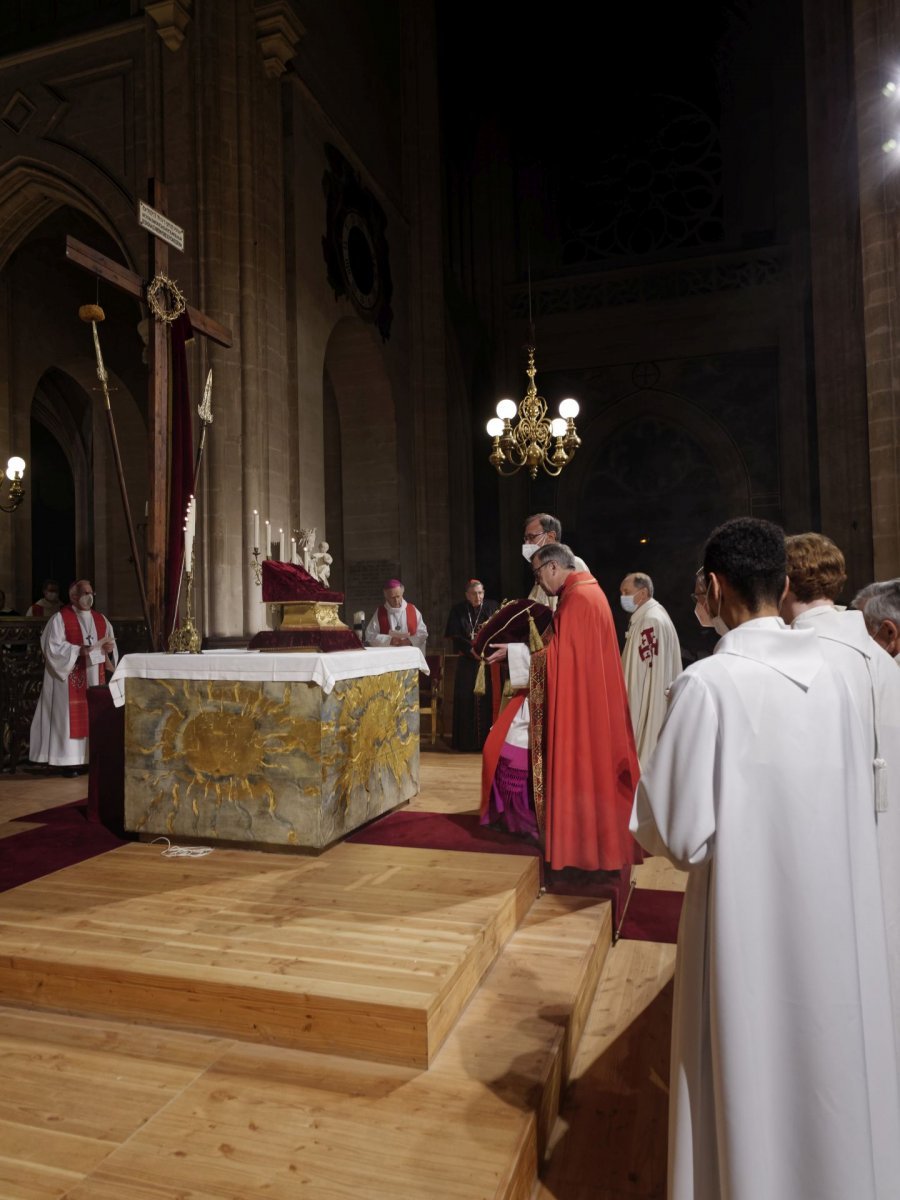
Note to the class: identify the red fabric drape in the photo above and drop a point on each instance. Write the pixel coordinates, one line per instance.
(181, 463)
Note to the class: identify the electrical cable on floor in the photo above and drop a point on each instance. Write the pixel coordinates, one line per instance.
(182, 851)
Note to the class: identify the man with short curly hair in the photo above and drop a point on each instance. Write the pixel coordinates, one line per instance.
(816, 575)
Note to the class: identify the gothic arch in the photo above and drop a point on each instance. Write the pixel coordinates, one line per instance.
(357, 392)
(674, 410)
(48, 374)
(654, 475)
(29, 193)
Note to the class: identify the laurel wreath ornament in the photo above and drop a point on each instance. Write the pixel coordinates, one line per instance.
(165, 298)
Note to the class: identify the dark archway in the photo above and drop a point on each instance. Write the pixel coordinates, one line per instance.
(658, 475)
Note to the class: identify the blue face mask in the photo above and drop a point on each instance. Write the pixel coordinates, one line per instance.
(628, 603)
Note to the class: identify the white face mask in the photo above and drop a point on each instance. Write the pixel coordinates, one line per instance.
(86, 601)
(702, 614)
(628, 603)
(529, 549)
(717, 623)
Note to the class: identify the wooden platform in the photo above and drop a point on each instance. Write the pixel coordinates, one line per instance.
(105, 1108)
(98, 1110)
(366, 951)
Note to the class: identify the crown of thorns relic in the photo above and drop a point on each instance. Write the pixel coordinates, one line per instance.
(165, 298)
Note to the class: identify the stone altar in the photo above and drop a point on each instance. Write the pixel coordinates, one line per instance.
(269, 749)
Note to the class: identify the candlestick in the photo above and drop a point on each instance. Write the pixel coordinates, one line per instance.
(268, 546)
(256, 529)
(293, 549)
(281, 544)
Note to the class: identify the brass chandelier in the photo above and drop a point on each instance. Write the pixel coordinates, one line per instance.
(529, 443)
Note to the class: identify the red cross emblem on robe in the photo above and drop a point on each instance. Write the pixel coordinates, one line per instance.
(649, 645)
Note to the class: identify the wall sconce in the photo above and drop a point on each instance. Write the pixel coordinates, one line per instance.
(15, 469)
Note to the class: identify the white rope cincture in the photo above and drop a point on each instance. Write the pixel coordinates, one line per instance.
(182, 851)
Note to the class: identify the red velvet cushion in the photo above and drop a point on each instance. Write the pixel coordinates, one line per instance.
(510, 623)
(326, 640)
(283, 582)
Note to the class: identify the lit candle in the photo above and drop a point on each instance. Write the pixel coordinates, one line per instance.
(281, 546)
(189, 527)
(268, 540)
(256, 529)
(293, 549)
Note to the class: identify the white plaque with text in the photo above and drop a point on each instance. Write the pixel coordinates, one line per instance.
(160, 226)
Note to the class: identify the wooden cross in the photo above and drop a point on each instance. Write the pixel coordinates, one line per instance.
(158, 408)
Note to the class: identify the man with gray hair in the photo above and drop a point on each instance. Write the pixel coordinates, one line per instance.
(879, 604)
(78, 645)
(541, 529)
(560, 763)
(651, 660)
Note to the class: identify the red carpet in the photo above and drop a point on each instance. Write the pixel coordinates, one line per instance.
(650, 917)
(65, 837)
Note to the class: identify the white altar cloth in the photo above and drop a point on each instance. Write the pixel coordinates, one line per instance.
(266, 665)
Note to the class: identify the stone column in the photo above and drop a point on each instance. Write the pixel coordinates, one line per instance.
(836, 285)
(875, 34)
(428, 388)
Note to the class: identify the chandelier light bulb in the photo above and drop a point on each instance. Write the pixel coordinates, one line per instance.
(889, 89)
(558, 427)
(494, 427)
(568, 409)
(507, 409)
(889, 145)
(15, 466)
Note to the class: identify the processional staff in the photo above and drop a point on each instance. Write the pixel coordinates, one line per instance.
(93, 313)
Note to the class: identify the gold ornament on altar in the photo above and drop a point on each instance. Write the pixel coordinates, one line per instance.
(185, 639)
(165, 299)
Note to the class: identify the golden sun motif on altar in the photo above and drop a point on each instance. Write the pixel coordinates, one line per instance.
(218, 743)
(230, 757)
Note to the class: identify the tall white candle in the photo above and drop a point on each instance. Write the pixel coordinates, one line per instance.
(256, 529)
(293, 549)
(268, 552)
(189, 528)
(281, 546)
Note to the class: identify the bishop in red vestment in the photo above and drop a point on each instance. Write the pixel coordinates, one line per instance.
(574, 718)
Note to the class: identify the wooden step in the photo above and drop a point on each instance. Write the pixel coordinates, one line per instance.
(150, 1115)
(367, 951)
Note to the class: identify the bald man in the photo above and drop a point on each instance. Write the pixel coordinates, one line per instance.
(651, 660)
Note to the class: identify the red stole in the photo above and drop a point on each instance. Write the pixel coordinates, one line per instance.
(412, 619)
(78, 714)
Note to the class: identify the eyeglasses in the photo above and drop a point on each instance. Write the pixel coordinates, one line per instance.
(536, 571)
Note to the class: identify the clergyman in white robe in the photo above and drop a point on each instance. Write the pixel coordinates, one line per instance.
(50, 741)
(651, 661)
(875, 684)
(783, 1079)
(397, 620)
